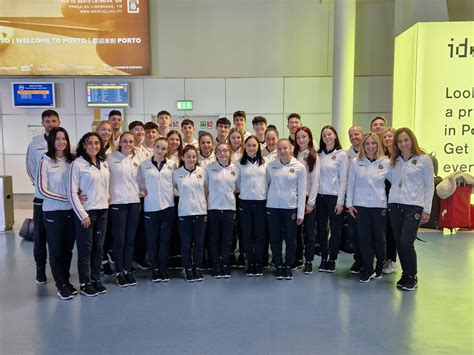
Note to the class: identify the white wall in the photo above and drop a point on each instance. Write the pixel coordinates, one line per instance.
(273, 98)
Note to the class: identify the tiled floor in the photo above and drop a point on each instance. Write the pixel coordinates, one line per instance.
(313, 314)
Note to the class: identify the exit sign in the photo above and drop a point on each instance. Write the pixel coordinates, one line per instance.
(184, 105)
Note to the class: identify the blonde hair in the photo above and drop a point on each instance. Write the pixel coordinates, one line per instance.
(385, 149)
(378, 154)
(231, 132)
(111, 143)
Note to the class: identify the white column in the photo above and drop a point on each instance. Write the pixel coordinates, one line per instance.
(343, 67)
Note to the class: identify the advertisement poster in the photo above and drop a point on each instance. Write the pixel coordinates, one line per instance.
(74, 37)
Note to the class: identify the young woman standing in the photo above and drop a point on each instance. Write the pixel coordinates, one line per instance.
(175, 146)
(236, 139)
(89, 175)
(367, 203)
(104, 130)
(192, 212)
(220, 183)
(306, 154)
(271, 139)
(58, 216)
(206, 155)
(155, 178)
(331, 195)
(252, 185)
(124, 207)
(409, 201)
(285, 207)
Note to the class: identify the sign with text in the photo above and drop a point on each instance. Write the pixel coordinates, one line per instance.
(434, 91)
(74, 37)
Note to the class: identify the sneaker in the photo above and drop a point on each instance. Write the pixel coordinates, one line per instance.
(241, 261)
(356, 267)
(378, 272)
(88, 290)
(308, 268)
(402, 281)
(130, 279)
(411, 282)
(64, 292)
(389, 267)
(323, 266)
(225, 271)
(164, 275)
(155, 275)
(41, 275)
(250, 270)
(122, 280)
(279, 273)
(198, 275)
(331, 266)
(107, 267)
(258, 270)
(72, 289)
(297, 264)
(233, 260)
(366, 276)
(97, 284)
(217, 271)
(287, 274)
(188, 275)
(141, 265)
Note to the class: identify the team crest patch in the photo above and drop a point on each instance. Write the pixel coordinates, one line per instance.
(199, 176)
(380, 167)
(292, 170)
(232, 173)
(135, 164)
(170, 168)
(333, 157)
(414, 162)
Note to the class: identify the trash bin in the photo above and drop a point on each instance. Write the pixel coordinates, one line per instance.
(7, 218)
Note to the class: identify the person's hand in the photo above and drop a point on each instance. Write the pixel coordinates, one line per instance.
(338, 209)
(86, 222)
(425, 217)
(308, 209)
(299, 221)
(352, 211)
(82, 198)
(143, 193)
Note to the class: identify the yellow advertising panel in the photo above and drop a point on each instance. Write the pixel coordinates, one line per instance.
(434, 90)
(74, 37)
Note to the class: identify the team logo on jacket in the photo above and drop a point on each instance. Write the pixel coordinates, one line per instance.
(380, 166)
(232, 173)
(333, 157)
(170, 168)
(414, 162)
(292, 170)
(199, 176)
(135, 164)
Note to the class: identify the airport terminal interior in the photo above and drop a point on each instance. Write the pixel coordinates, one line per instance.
(335, 62)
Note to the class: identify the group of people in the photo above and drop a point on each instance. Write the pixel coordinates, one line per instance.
(151, 195)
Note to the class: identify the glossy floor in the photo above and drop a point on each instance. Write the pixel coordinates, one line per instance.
(312, 314)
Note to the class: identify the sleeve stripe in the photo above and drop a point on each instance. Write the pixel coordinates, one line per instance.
(44, 191)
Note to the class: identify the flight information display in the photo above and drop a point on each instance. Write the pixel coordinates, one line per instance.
(107, 95)
(33, 94)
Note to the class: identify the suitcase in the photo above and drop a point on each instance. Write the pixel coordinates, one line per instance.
(455, 211)
(433, 223)
(27, 230)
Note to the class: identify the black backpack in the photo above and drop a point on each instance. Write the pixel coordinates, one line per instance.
(27, 230)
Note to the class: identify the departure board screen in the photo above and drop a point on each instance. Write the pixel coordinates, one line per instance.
(33, 94)
(107, 95)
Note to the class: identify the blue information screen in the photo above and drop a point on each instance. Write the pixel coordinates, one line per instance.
(107, 95)
(33, 94)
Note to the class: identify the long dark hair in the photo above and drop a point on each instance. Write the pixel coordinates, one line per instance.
(180, 148)
(245, 156)
(81, 149)
(52, 142)
(322, 145)
(312, 156)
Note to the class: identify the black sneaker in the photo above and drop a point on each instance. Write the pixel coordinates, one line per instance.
(402, 281)
(378, 272)
(366, 276)
(279, 273)
(41, 275)
(88, 290)
(287, 274)
(217, 271)
(155, 275)
(189, 275)
(72, 289)
(323, 266)
(122, 280)
(297, 264)
(99, 287)
(198, 275)
(411, 282)
(130, 279)
(258, 270)
(165, 277)
(64, 292)
(107, 267)
(225, 272)
(233, 260)
(331, 266)
(250, 270)
(308, 268)
(241, 261)
(141, 264)
(356, 267)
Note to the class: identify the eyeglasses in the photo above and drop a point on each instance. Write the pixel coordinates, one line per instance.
(224, 150)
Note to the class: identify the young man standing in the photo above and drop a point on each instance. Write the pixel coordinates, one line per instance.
(293, 123)
(187, 130)
(163, 118)
(36, 149)
(222, 128)
(115, 119)
(259, 124)
(240, 119)
(151, 135)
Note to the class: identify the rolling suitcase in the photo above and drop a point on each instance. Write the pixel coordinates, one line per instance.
(455, 211)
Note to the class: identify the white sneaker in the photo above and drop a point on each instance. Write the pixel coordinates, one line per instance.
(389, 267)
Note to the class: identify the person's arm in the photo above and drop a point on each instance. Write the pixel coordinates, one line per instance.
(314, 181)
(301, 194)
(428, 182)
(43, 185)
(141, 179)
(343, 170)
(31, 164)
(72, 191)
